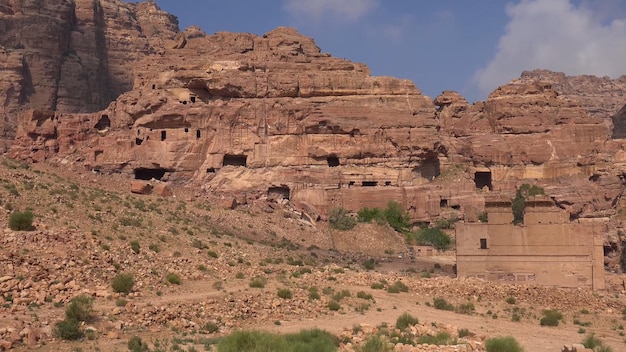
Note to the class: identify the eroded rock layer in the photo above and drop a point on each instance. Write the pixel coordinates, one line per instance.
(73, 56)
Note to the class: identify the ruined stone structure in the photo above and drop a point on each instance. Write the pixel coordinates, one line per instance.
(547, 249)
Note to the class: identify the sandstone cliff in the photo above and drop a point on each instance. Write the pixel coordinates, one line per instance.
(73, 56)
(272, 116)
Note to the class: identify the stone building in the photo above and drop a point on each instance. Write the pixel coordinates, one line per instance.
(547, 249)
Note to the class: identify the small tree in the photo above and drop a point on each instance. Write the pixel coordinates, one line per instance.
(339, 219)
(397, 217)
(21, 221)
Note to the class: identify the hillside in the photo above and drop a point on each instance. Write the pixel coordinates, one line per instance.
(84, 227)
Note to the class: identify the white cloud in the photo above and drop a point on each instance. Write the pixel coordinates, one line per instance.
(559, 36)
(350, 10)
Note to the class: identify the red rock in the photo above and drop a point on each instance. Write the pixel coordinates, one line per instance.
(140, 187)
(162, 190)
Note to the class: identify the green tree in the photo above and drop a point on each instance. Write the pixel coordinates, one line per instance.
(339, 219)
(397, 217)
(21, 221)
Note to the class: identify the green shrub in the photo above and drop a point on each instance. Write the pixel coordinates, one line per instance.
(212, 254)
(375, 343)
(442, 338)
(377, 286)
(406, 320)
(396, 217)
(364, 295)
(369, 264)
(120, 302)
(432, 236)
(123, 283)
(466, 308)
(80, 309)
(313, 340)
(367, 215)
(551, 318)
(239, 275)
(464, 332)
(136, 345)
(173, 278)
(285, 293)
(134, 245)
(258, 282)
(398, 287)
(334, 306)
(503, 344)
(21, 221)
(441, 303)
(592, 341)
(68, 329)
(154, 247)
(313, 293)
(339, 219)
(483, 217)
(511, 300)
(211, 328)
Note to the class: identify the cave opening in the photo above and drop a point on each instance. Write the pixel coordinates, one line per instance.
(332, 161)
(138, 141)
(369, 183)
(482, 179)
(443, 203)
(148, 174)
(277, 193)
(163, 135)
(103, 123)
(429, 168)
(235, 160)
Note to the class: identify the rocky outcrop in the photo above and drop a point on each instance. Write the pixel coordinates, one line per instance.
(270, 115)
(73, 56)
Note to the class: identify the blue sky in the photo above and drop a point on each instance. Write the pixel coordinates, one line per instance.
(468, 46)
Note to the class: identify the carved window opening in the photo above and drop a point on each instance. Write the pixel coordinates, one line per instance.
(387, 183)
(148, 174)
(197, 134)
(184, 102)
(193, 99)
(369, 183)
(163, 135)
(332, 161)
(154, 86)
(443, 203)
(96, 154)
(210, 170)
(235, 160)
(103, 123)
(278, 193)
(186, 130)
(483, 179)
(456, 207)
(351, 183)
(483, 243)
(138, 141)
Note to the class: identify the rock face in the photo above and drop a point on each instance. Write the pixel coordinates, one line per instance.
(73, 56)
(273, 117)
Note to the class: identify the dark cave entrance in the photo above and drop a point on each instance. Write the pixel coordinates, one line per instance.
(103, 123)
(332, 161)
(482, 179)
(148, 174)
(235, 160)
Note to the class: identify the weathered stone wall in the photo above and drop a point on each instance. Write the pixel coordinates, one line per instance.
(546, 250)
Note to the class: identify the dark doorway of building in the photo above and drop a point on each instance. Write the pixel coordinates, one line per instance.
(149, 174)
(163, 135)
(482, 179)
(235, 160)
